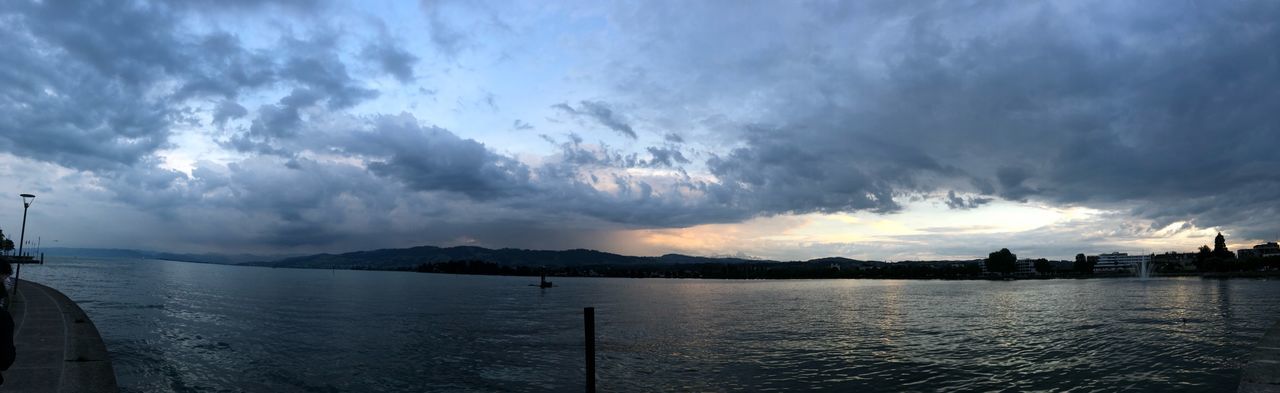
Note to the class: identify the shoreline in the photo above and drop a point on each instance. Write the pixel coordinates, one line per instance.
(534, 273)
(1209, 275)
(59, 349)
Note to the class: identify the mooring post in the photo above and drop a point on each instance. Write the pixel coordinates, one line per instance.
(589, 322)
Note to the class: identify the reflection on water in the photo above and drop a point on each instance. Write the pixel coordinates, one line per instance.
(175, 326)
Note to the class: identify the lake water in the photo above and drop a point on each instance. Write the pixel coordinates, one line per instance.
(174, 326)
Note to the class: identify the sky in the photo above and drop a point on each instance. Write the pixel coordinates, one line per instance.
(888, 130)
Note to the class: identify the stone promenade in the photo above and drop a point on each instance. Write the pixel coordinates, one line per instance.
(59, 349)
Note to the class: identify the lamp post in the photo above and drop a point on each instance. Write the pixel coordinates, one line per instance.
(26, 203)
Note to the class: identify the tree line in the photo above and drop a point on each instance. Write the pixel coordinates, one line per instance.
(999, 263)
(763, 270)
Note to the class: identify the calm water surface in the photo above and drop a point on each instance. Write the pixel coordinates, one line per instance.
(174, 326)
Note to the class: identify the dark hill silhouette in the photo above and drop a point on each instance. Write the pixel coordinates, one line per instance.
(221, 259)
(511, 261)
(393, 258)
(408, 258)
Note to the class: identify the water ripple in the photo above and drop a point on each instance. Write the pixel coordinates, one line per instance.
(205, 328)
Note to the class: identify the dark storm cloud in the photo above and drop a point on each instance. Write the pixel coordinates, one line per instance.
(319, 76)
(781, 170)
(667, 157)
(311, 203)
(1137, 107)
(80, 105)
(228, 110)
(274, 123)
(601, 113)
(601, 154)
(315, 64)
(577, 154)
(420, 170)
(1166, 112)
(133, 43)
(310, 193)
(226, 68)
(962, 203)
(98, 85)
(434, 159)
(1013, 181)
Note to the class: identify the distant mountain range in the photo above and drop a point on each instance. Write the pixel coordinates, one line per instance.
(398, 258)
(224, 259)
(410, 257)
(403, 258)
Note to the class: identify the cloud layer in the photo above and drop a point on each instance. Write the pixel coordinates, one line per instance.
(325, 126)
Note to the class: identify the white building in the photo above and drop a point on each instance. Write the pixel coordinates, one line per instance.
(1270, 249)
(1025, 267)
(1120, 262)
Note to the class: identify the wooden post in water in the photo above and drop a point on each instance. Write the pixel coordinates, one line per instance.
(589, 322)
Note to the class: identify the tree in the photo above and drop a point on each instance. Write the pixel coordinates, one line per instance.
(1043, 266)
(7, 245)
(1202, 259)
(1220, 250)
(1084, 264)
(1002, 261)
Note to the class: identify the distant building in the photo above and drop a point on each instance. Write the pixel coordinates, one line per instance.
(1119, 262)
(1025, 267)
(1268, 249)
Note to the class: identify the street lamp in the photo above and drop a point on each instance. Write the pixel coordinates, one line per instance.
(26, 203)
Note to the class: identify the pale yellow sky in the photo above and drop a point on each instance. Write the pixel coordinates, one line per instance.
(921, 231)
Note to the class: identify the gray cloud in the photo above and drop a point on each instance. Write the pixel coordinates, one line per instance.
(274, 123)
(1013, 181)
(82, 105)
(434, 159)
(784, 171)
(228, 110)
(98, 85)
(315, 64)
(128, 42)
(963, 203)
(1020, 100)
(416, 170)
(665, 156)
(307, 204)
(448, 39)
(601, 113)
(393, 60)
(225, 68)
(1161, 112)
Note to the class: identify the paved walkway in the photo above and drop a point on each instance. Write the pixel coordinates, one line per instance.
(59, 349)
(1262, 374)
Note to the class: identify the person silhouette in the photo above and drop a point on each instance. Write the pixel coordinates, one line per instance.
(6, 271)
(7, 351)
